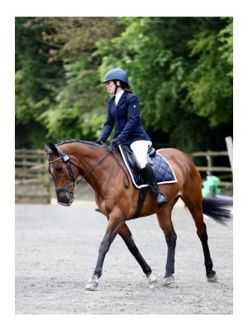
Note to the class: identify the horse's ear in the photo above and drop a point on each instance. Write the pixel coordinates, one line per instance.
(47, 149)
(51, 148)
(54, 149)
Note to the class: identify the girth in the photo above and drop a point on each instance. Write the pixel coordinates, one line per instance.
(142, 195)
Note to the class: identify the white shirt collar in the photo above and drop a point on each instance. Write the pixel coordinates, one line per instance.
(118, 95)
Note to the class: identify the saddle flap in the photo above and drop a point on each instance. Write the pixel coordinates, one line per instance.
(128, 153)
(162, 169)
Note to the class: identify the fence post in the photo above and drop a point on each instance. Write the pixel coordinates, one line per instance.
(47, 184)
(209, 160)
(32, 177)
(229, 145)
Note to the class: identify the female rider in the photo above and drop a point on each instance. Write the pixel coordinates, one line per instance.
(123, 113)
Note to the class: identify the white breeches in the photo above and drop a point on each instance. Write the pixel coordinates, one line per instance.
(140, 149)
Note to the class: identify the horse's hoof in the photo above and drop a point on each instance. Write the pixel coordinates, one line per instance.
(170, 282)
(212, 279)
(92, 285)
(152, 281)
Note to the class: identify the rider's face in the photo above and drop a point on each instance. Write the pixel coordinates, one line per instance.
(110, 85)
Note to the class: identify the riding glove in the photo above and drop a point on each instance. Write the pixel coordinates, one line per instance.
(116, 142)
(99, 141)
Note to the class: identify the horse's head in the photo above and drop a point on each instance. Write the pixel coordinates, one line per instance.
(63, 172)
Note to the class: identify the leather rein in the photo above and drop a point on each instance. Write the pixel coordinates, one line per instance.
(66, 159)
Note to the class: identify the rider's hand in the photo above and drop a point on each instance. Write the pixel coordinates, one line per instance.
(116, 142)
(99, 141)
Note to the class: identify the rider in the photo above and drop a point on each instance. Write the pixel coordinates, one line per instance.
(123, 113)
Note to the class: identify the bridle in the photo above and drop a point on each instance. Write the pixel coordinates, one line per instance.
(68, 162)
(66, 159)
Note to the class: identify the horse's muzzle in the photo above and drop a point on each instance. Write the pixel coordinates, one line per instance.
(65, 197)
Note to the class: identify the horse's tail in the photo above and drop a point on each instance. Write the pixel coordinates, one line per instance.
(217, 208)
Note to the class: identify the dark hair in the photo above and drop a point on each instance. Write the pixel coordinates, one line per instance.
(125, 86)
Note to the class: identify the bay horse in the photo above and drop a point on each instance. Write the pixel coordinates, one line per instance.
(116, 197)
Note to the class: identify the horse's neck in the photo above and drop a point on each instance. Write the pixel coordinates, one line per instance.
(95, 164)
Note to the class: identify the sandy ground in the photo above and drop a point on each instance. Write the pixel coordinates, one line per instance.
(56, 251)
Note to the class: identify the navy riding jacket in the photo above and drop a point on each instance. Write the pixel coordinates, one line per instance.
(126, 119)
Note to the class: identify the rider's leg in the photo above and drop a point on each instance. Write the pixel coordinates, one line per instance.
(140, 148)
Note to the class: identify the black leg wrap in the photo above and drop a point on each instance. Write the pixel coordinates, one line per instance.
(135, 252)
(170, 263)
(103, 249)
(207, 257)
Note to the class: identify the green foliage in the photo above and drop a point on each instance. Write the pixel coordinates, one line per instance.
(57, 82)
(210, 83)
(180, 67)
(226, 44)
(37, 80)
(80, 107)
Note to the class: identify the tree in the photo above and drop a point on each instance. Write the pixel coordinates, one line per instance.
(37, 80)
(162, 57)
(180, 67)
(69, 101)
(209, 84)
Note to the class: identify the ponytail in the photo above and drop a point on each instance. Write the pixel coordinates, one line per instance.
(126, 87)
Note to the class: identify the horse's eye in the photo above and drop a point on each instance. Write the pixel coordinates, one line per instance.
(59, 169)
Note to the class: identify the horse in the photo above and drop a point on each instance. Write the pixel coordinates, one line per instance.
(116, 197)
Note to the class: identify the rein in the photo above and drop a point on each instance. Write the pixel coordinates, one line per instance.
(110, 150)
(66, 159)
(96, 165)
(119, 162)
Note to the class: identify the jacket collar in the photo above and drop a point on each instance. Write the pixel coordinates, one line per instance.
(122, 98)
(118, 95)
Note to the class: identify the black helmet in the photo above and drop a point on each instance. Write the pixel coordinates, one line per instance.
(116, 74)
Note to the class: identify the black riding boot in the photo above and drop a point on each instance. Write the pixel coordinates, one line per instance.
(149, 176)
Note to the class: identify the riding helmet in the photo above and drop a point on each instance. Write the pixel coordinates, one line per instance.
(116, 74)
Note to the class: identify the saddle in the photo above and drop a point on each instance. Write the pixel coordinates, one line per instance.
(161, 167)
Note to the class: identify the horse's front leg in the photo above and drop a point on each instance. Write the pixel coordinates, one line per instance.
(115, 223)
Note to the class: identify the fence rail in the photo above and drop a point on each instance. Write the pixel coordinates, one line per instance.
(224, 172)
(32, 182)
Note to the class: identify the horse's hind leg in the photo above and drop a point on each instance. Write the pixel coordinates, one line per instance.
(126, 235)
(194, 204)
(164, 219)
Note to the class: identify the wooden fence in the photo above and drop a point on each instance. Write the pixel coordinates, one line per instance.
(32, 181)
(210, 168)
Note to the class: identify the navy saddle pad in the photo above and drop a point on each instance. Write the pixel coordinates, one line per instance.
(161, 167)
